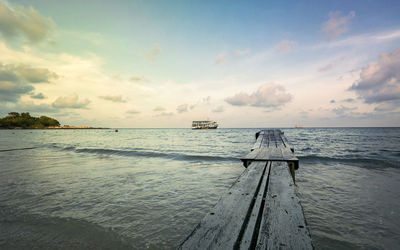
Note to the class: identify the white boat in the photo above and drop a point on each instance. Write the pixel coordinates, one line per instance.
(204, 125)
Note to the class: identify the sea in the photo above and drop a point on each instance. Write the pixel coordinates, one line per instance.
(149, 188)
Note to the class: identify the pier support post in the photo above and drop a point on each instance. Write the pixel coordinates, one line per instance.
(292, 172)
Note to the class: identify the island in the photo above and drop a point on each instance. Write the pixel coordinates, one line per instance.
(15, 120)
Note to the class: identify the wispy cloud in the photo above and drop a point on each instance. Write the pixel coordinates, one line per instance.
(363, 39)
(153, 53)
(113, 98)
(158, 109)
(219, 109)
(138, 79)
(182, 108)
(165, 114)
(285, 46)
(337, 24)
(241, 52)
(343, 110)
(221, 58)
(133, 112)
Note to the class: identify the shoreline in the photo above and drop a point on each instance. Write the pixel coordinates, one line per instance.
(60, 128)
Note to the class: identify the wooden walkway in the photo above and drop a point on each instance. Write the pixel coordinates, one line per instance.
(261, 210)
(271, 145)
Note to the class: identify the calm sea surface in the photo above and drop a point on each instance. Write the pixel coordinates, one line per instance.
(148, 188)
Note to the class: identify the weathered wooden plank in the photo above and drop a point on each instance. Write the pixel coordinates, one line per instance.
(283, 225)
(250, 235)
(259, 140)
(273, 147)
(221, 228)
(265, 139)
(287, 155)
(278, 139)
(286, 142)
(271, 139)
(274, 154)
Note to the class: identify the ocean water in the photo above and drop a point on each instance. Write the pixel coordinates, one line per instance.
(148, 188)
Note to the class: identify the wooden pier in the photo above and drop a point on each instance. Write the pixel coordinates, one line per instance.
(261, 210)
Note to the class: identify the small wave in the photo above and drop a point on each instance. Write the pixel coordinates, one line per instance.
(150, 154)
(15, 149)
(365, 162)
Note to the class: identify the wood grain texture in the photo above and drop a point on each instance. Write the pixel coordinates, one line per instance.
(283, 224)
(249, 237)
(273, 147)
(261, 210)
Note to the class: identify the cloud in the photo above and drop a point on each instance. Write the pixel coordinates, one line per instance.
(15, 21)
(165, 114)
(285, 46)
(221, 58)
(388, 106)
(138, 79)
(116, 98)
(349, 100)
(241, 52)
(133, 112)
(380, 81)
(203, 101)
(182, 108)
(153, 53)
(29, 106)
(71, 102)
(219, 109)
(337, 24)
(367, 39)
(206, 100)
(267, 95)
(159, 109)
(342, 110)
(38, 96)
(36, 75)
(18, 80)
(304, 114)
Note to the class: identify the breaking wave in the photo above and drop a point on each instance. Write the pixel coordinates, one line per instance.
(149, 154)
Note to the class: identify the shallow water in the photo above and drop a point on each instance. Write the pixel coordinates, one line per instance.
(148, 188)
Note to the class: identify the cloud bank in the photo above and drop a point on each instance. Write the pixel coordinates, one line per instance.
(26, 22)
(18, 80)
(380, 81)
(267, 95)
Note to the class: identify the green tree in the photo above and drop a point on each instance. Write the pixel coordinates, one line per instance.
(25, 120)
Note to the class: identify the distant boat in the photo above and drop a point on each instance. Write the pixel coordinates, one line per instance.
(204, 125)
(298, 126)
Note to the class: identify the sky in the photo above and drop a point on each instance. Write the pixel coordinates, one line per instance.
(163, 64)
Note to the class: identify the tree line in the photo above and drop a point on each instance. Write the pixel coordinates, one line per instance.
(25, 120)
